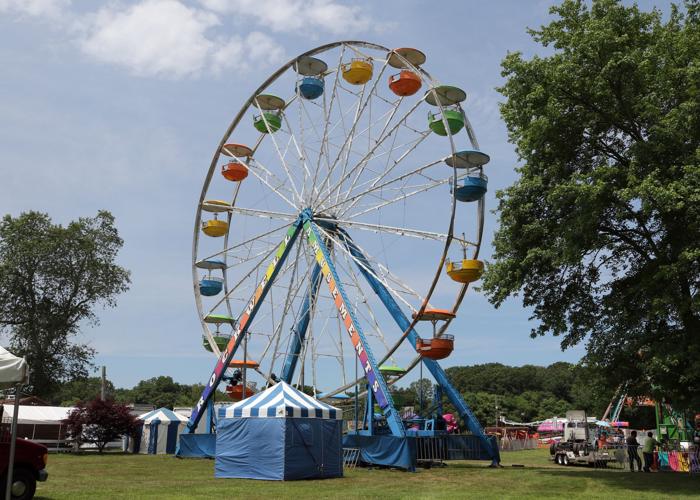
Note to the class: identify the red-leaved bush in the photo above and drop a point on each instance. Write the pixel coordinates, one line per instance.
(100, 422)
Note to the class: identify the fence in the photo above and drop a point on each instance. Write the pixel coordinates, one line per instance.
(53, 436)
(431, 449)
(510, 444)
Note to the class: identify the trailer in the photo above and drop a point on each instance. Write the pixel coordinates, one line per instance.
(578, 445)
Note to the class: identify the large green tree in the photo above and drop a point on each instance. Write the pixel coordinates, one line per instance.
(52, 278)
(600, 235)
(162, 391)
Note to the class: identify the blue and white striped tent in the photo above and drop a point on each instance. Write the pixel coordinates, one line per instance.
(279, 434)
(281, 400)
(159, 432)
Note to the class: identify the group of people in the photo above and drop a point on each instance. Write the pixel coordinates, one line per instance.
(650, 444)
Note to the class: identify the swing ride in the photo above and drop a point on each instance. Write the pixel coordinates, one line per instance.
(322, 243)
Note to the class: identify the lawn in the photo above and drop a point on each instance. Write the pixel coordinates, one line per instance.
(146, 476)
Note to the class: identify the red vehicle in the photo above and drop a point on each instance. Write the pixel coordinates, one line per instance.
(30, 467)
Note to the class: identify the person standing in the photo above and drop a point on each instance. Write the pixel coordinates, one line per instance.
(632, 445)
(648, 451)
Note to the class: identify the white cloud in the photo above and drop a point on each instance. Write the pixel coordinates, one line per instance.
(238, 53)
(152, 38)
(166, 38)
(178, 39)
(296, 15)
(36, 8)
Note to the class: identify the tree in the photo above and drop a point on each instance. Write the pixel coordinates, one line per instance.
(100, 422)
(82, 389)
(601, 233)
(51, 279)
(422, 387)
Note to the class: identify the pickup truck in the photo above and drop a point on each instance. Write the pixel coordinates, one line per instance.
(29, 467)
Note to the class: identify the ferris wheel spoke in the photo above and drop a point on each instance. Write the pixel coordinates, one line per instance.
(301, 151)
(401, 231)
(371, 152)
(362, 105)
(231, 290)
(387, 275)
(274, 189)
(378, 187)
(267, 214)
(402, 197)
(248, 241)
(341, 245)
(283, 319)
(281, 156)
(414, 143)
(387, 170)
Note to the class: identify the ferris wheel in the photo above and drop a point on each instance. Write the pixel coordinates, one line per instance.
(339, 226)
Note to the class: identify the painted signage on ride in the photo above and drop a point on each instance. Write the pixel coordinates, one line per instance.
(346, 315)
(241, 326)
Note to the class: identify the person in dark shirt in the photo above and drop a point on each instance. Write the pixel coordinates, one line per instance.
(632, 445)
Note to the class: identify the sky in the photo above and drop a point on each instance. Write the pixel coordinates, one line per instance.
(119, 105)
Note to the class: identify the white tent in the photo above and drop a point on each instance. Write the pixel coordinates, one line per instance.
(13, 370)
(159, 432)
(40, 415)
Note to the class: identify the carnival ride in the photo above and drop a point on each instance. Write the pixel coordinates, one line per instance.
(332, 216)
(671, 424)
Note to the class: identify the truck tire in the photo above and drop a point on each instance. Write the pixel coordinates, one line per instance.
(23, 484)
(565, 460)
(557, 459)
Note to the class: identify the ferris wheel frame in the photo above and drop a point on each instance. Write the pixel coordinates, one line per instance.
(307, 222)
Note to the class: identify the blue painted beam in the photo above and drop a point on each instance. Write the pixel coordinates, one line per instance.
(299, 333)
(435, 369)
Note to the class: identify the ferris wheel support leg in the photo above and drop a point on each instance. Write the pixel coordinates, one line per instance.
(435, 369)
(244, 321)
(375, 380)
(290, 363)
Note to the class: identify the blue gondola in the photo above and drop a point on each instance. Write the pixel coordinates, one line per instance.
(211, 286)
(473, 189)
(311, 87)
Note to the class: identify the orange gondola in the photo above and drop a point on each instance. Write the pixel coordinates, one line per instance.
(405, 83)
(235, 392)
(436, 347)
(234, 171)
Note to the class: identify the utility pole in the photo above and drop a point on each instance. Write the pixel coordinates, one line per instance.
(496, 406)
(103, 385)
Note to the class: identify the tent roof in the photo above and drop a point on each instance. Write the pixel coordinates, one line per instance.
(281, 400)
(162, 414)
(12, 369)
(39, 414)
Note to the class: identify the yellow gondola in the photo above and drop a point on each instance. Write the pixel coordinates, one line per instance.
(358, 71)
(215, 227)
(467, 271)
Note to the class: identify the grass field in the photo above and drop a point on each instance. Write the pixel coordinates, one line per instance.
(147, 476)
